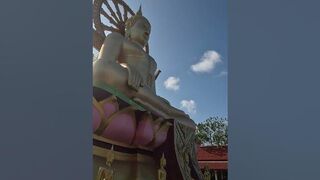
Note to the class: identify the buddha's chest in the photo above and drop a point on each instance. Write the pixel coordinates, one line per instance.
(134, 55)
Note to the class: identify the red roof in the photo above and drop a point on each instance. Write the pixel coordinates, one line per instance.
(213, 157)
(214, 165)
(212, 153)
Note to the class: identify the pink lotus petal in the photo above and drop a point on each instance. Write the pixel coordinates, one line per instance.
(144, 134)
(160, 138)
(109, 108)
(121, 128)
(96, 118)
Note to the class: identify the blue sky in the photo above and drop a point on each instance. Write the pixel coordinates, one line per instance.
(189, 43)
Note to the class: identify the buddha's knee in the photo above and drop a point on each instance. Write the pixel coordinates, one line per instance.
(115, 76)
(110, 74)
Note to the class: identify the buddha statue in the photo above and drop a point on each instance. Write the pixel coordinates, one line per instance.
(124, 64)
(127, 112)
(162, 174)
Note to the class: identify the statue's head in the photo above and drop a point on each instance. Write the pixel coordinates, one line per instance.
(138, 28)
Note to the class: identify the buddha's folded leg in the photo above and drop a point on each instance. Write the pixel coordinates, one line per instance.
(147, 95)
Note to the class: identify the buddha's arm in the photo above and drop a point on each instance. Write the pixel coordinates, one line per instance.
(148, 98)
(108, 56)
(152, 78)
(153, 69)
(111, 48)
(106, 68)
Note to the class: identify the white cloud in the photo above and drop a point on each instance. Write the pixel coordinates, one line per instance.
(207, 62)
(189, 105)
(172, 83)
(223, 73)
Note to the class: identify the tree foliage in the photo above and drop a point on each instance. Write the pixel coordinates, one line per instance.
(213, 131)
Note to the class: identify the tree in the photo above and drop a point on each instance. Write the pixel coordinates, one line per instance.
(213, 131)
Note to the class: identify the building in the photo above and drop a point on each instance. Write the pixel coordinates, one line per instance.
(215, 159)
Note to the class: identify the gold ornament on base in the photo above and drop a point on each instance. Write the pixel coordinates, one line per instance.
(106, 173)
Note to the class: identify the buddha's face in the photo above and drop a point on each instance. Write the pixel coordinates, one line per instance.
(140, 31)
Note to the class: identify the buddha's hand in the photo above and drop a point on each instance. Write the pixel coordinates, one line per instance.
(134, 79)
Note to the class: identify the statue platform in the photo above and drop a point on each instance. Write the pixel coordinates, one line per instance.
(129, 140)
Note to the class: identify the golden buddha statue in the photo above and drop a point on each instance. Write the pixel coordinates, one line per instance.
(127, 110)
(124, 64)
(162, 174)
